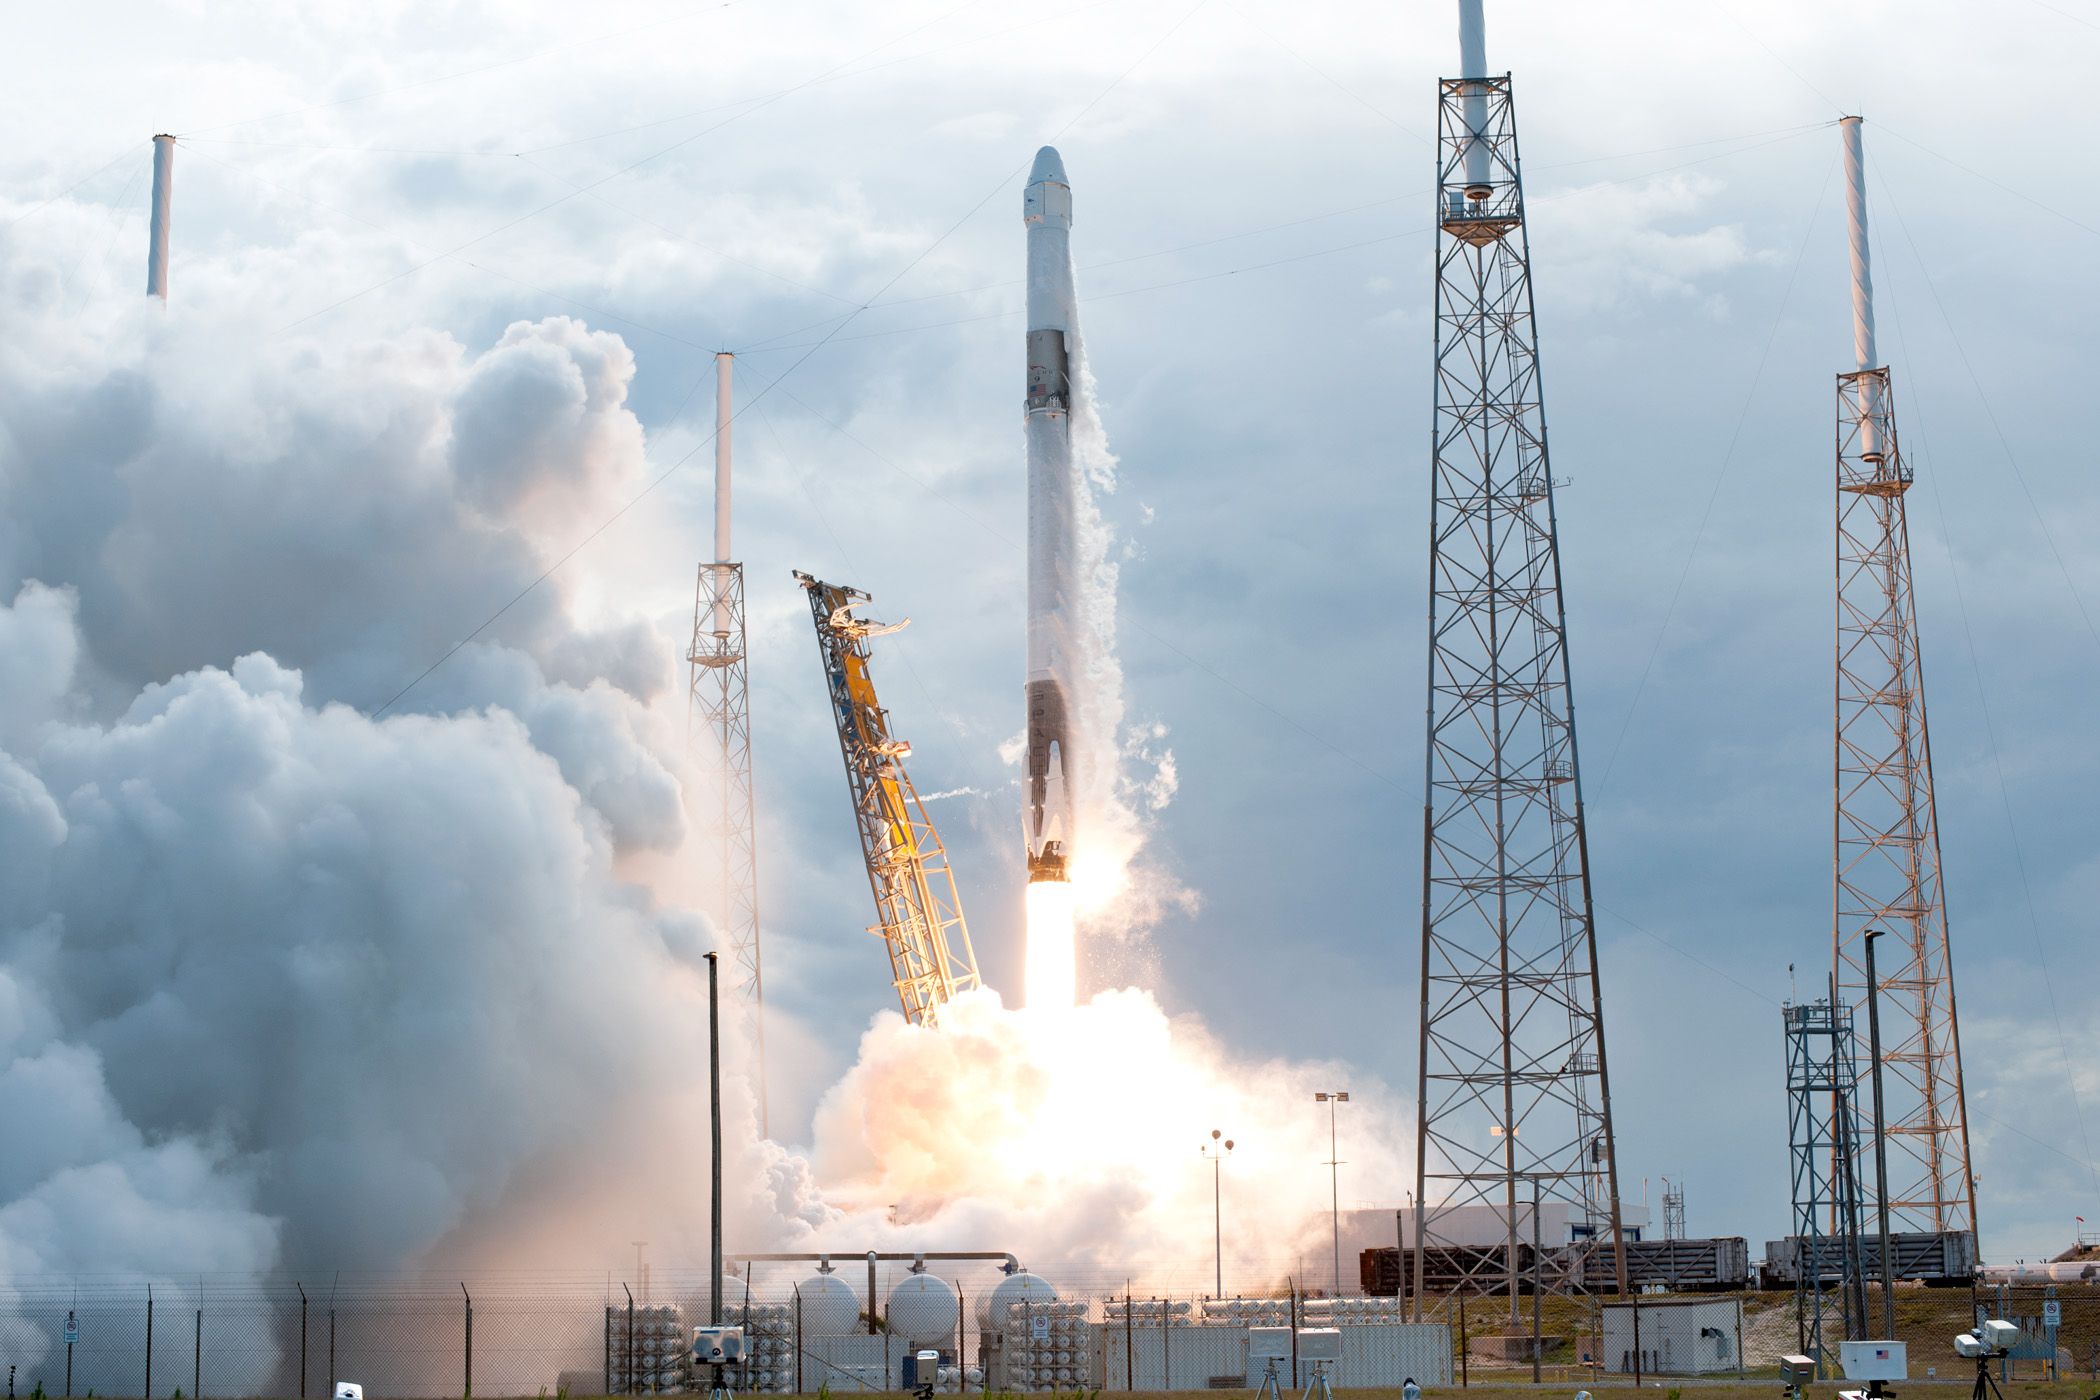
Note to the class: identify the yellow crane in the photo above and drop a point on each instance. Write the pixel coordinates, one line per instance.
(918, 909)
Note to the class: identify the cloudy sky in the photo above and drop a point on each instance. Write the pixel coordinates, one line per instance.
(395, 197)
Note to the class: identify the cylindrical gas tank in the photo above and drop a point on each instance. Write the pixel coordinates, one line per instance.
(923, 1310)
(830, 1307)
(1023, 1287)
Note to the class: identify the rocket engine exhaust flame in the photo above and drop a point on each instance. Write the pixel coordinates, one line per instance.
(1053, 957)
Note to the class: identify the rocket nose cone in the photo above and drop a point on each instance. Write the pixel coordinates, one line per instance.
(1049, 165)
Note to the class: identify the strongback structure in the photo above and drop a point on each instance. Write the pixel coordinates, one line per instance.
(918, 910)
(1823, 1135)
(719, 699)
(1886, 861)
(1514, 1099)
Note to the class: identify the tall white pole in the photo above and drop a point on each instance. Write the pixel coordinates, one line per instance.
(723, 360)
(163, 202)
(1472, 63)
(1862, 270)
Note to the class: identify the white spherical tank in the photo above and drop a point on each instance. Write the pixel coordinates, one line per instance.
(923, 1309)
(830, 1307)
(1022, 1287)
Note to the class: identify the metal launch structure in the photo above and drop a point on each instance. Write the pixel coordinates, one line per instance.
(1514, 1100)
(719, 694)
(1822, 1095)
(917, 907)
(1886, 849)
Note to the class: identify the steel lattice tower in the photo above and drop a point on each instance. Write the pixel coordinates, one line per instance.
(1823, 1134)
(1886, 859)
(719, 699)
(1514, 1098)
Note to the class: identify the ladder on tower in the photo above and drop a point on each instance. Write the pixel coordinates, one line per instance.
(918, 909)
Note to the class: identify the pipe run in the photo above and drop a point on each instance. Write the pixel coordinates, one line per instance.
(1008, 1264)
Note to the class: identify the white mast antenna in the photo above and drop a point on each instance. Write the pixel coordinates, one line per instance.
(163, 206)
(719, 695)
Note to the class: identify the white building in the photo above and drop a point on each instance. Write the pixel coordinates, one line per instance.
(1676, 1336)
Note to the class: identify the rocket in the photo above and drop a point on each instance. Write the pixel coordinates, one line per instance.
(1053, 497)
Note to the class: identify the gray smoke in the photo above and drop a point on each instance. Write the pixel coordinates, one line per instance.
(282, 984)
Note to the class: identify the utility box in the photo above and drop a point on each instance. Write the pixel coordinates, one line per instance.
(921, 1368)
(1874, 1361)
(1674, 1337)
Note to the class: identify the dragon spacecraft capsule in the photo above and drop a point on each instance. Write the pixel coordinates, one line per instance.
(1053, 496)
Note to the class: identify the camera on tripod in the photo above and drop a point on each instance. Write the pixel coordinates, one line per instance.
(1991, 1341)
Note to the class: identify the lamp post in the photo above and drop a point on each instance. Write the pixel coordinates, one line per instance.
(1331, 1097)
(1217, 1150)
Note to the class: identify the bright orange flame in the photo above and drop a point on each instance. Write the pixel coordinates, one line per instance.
(1053, 959)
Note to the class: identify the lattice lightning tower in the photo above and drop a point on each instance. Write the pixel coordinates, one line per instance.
(719, 696)
(1886, 863)
(1514, 1098)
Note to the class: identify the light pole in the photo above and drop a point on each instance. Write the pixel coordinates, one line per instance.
(1217, 1150)
(1331, 1097)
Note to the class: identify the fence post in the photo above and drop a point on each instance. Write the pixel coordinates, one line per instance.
(608, 1349)
(468, 1393)
(1637, 1341)
(1294, 1331)
(628, 1383)
(149, 1342)
(302, 1339)
(1129, 1341)
(798, 1339)
(1738, 1339)
(197, 1351)
(1464, 1361)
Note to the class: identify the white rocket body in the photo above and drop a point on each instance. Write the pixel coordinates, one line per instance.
(1053, 496)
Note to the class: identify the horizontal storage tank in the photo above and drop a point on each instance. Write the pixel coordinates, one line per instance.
(925, 1311)
(830, 1307)
(1020, 1288)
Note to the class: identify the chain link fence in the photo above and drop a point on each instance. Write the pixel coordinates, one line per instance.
(578, 1337)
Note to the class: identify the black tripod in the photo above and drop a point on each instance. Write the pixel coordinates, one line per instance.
(1986, 1383)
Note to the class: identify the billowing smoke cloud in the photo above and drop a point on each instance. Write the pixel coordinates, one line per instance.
(1123, 893)
(282, 984)
(285, 985)
(1071, 1139)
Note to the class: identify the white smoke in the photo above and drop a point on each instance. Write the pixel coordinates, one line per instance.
(285, 986)
(282, 985)
(1123, 893)
(1072, 1140)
